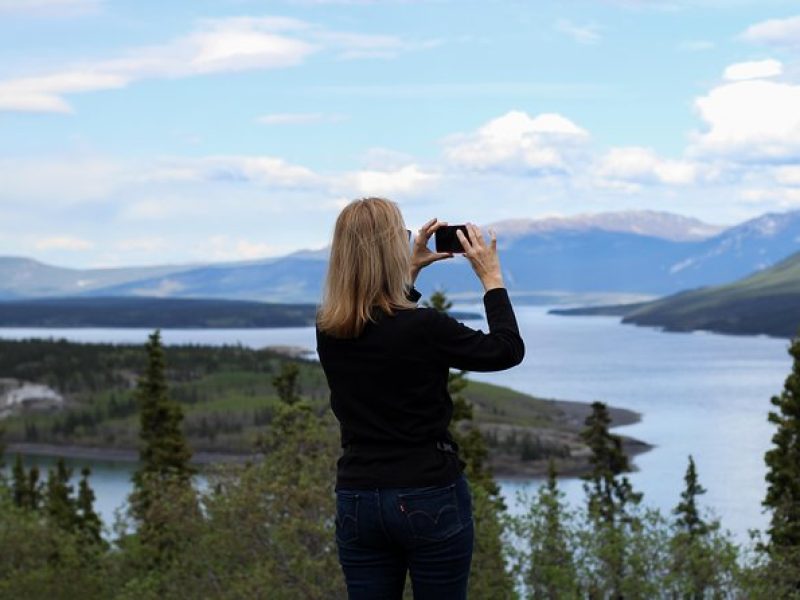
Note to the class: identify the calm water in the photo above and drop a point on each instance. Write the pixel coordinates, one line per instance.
(701, 394)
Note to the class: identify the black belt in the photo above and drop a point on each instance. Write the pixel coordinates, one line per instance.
(441, 445)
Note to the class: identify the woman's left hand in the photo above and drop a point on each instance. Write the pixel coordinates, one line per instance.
(421, 256)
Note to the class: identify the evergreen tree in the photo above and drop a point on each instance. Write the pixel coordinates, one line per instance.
(551, 569)
(34, 489)
(689, 519)
(610, 500)
(703, 560)
(89, 522)
(285, 383)
(25, 486)
(19, 483)
(59, 505)
(783, 478)
(609, 493)
(164, 455)
(3, 481)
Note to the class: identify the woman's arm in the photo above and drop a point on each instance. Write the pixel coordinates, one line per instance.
(462, 347)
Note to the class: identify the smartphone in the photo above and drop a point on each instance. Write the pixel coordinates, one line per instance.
(447, 241)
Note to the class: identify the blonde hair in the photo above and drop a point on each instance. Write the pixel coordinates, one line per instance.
(369, 267)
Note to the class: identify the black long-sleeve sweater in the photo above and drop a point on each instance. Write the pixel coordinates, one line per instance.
(389, 390)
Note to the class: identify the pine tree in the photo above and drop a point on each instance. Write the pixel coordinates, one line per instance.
(551, 572)
(702, 559)
(609, 493)
(285, 383)
(89, 522)
(164, 455)
(34, 489)
(25, 486)
(689, 519)
(783, 478)
(3, 481)
(19, 483)
(59, 505)
(610, 500)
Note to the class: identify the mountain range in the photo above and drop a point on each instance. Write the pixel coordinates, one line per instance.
(631, 252)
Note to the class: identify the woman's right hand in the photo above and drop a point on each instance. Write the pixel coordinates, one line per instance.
(482, 257)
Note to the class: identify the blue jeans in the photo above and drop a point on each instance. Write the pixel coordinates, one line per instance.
(382, 533)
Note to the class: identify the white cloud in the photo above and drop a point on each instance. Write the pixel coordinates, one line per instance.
(59, 181)
(404, 180)
(225, 247)
(45, 93)
(754, 69)
(218, 45)
(773, 197)
(64, 242)
(141, 244)
(152, 209)
(788, 175)
(637, 166)
(263, 170)
(583, 34)
(752, 120)
(298, 118)
(517, 142)
(775, 32)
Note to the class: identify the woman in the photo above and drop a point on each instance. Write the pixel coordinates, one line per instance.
(402, 499)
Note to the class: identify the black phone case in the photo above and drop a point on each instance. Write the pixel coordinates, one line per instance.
(447, 241)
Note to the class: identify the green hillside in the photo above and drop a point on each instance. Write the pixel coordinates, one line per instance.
(766, 302)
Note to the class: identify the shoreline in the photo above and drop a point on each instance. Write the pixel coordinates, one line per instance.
(126, 455)
(572, 415)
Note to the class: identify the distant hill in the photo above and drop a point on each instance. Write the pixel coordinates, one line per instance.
(22, 277)
(164, 313)
(632, 252)
(767, 302)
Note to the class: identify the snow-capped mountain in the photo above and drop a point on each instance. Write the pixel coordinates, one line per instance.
(640, 252)
(668, 226)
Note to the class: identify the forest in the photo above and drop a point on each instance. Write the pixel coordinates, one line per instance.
(264, 528)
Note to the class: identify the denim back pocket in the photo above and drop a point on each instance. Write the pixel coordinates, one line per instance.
(433, 514)
(346, 517)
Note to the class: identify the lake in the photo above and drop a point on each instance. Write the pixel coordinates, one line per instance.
(699, 393)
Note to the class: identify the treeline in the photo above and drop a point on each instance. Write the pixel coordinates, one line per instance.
(151, 312)
(266, 529)
(77, 368)
(227, 391)
(123, 311)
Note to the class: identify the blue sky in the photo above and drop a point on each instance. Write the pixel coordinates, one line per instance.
(143, 132)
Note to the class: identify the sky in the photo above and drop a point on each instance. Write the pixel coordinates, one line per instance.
(138, 132)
